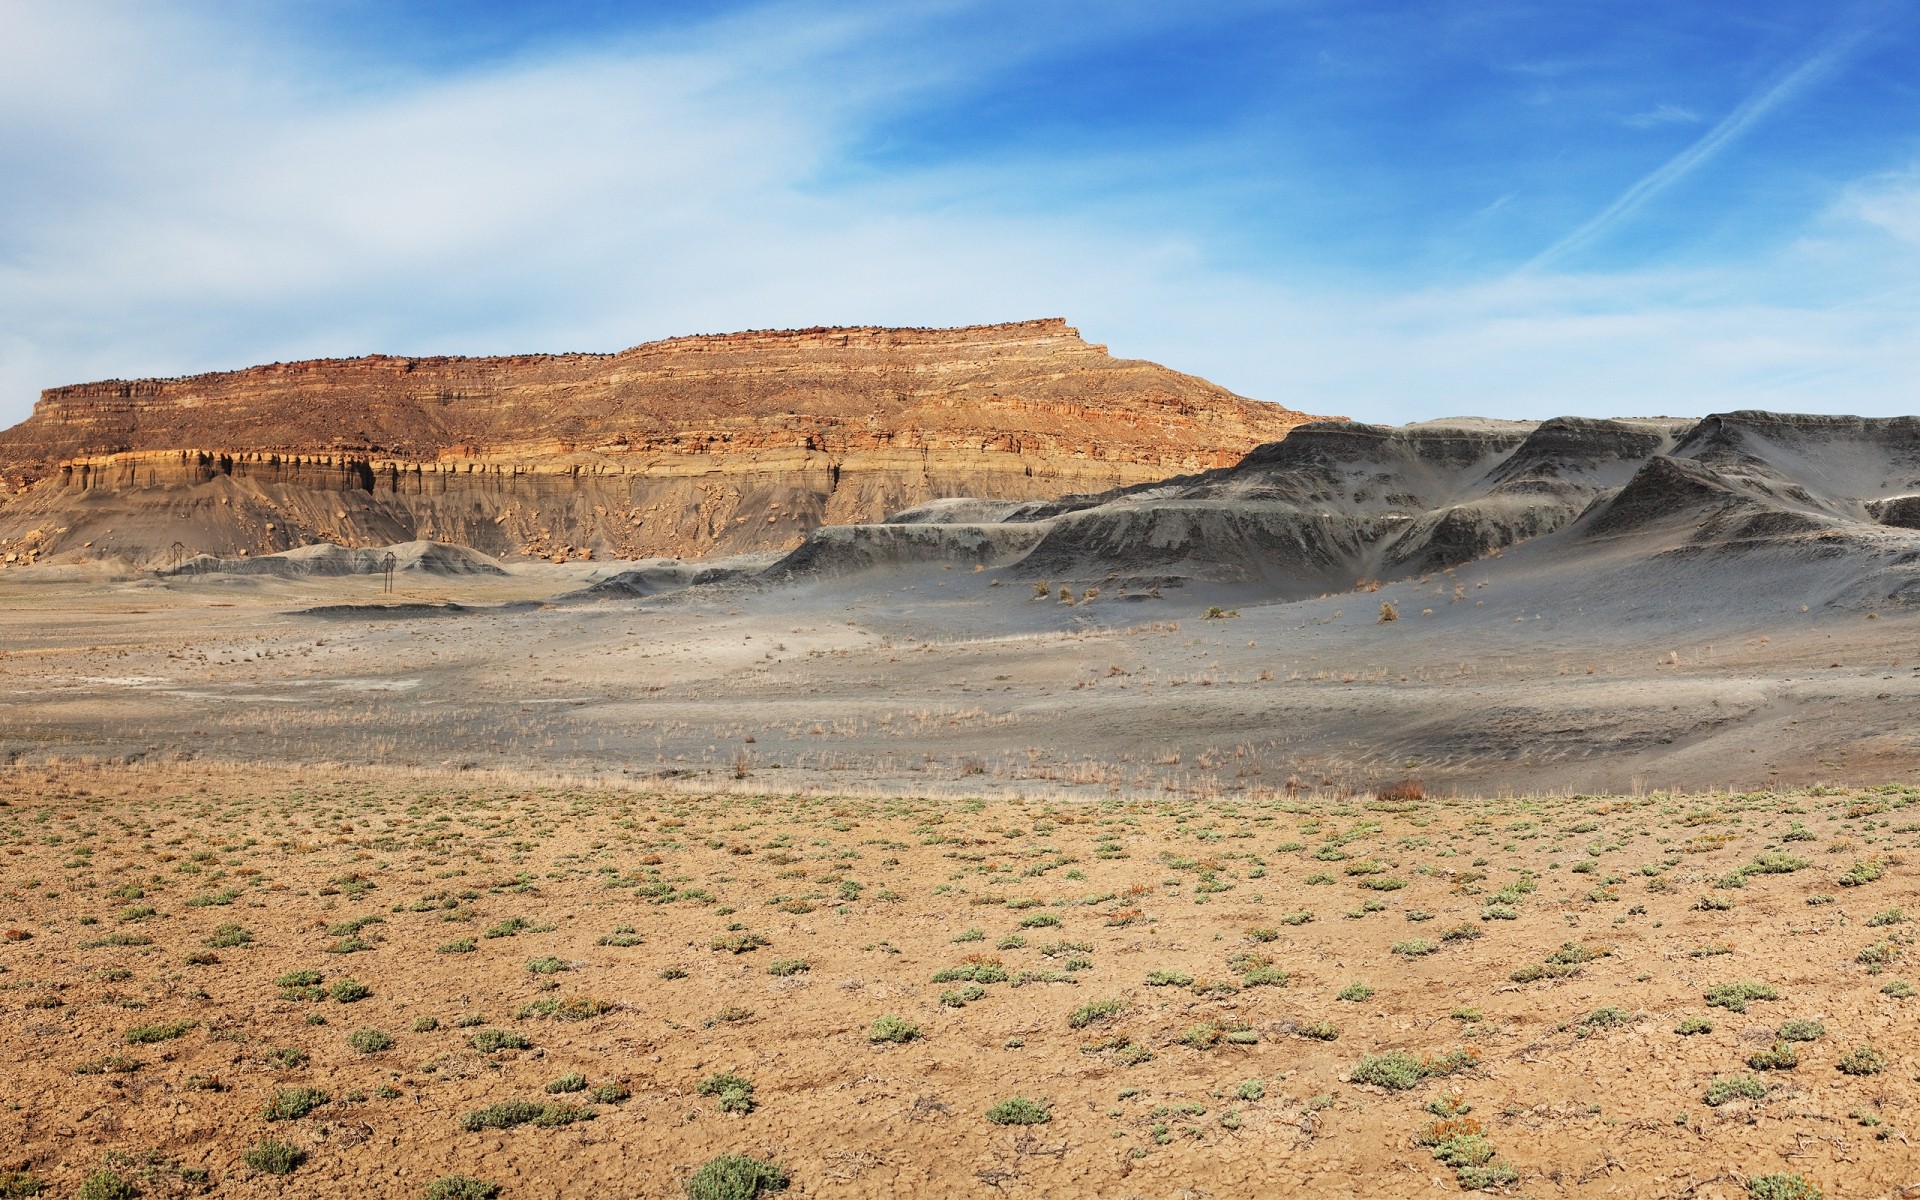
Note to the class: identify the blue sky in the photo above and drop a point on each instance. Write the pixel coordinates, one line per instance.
(1390, 210)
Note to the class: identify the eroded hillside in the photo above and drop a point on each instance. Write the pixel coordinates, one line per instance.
(690, 446)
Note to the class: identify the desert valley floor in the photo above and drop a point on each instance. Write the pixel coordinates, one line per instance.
(571, 897)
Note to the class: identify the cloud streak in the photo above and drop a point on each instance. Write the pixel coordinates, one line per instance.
(1751, 112)
(197, 194)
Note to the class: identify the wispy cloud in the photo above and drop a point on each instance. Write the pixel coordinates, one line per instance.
(1814, 68)
(1662, 114)
(188, 191)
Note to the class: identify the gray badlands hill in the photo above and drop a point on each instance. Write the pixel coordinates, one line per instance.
(1338, 503)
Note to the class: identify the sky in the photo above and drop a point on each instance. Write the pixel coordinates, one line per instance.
(1393, 210)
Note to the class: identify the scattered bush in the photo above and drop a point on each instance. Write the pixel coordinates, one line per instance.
(1863, 872)
(893, 1029)
(1863, 1060)
(510, 1113)
(489, 1040)
(460, 1187)
(735, 1092)
(735, 1177)
(1018, 1110)
(1782, 1187)
(370, 1041)
(1781, 1056)
(106, 1185)
(274, 1158)
(1734, 997)
(1725, 1088)
(1396, 1070)
(1098, 1010)
(290, 1104)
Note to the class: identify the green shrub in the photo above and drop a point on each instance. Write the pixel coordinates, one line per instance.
(1250, 1090)
(1782, 1187)
(370, 1041)
(1169, 979)
(567, 1083)
(783, 967)
(1492, 1175)
(735, 1092)
(1802, 1031)
(228, 936)
(17, 1185)
(106, 1185)
(509, 1113)
(1862, 872)
(1415, 948)
(1098, 1010)
(1464, 1150)
(274, 1158)
(974, 972)
(1320, 1031)
(735, 1177)
(460, 1187)
(1606, 1017)
(1018, 1110)
(1733, 1087)
(166, 1031)
(489, 1040)
(1863, 1060)
(1781, 1056)
(1689, 1026)
(1734, 997)
(290, 1104)
(1396, 1070)
(549, 965)
(890, 1028)
(347, 991)
(1355, 993)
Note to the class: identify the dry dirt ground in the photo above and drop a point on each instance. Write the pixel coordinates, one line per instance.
(1306, 994)
(1501, 677)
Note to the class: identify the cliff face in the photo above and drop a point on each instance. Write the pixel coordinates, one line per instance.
(685, 447)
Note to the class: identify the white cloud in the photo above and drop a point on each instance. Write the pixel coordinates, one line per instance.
(197, 198)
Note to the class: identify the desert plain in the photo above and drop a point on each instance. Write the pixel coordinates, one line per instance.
(930, 883)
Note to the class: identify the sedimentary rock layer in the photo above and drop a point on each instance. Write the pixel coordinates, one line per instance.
(690, 446)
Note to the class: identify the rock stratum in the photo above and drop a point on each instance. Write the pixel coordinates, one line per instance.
(1734, 500)
(687, 447)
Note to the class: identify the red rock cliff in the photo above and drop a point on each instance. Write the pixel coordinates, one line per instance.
(684, 447)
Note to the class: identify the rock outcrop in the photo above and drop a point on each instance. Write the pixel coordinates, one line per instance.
(1340, 503)
(688, 447)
